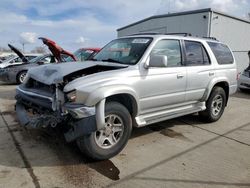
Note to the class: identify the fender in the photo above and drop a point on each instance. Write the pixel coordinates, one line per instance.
(97, 98)
(211, 85)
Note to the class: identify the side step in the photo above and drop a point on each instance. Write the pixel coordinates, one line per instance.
(159, 116)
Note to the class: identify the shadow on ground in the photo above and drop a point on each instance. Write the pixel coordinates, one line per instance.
(68, 154)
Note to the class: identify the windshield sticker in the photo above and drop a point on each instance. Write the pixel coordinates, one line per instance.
(140, 41)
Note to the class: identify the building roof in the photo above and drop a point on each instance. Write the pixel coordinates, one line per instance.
(185, 13)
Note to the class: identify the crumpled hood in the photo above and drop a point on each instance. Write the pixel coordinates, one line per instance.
(54, 73)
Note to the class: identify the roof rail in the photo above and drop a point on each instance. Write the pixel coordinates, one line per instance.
(184, 34)
(152, 33)
(212, 38)
(157, 33)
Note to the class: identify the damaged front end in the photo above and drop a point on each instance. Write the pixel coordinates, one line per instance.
(41, 102)
(48, 107)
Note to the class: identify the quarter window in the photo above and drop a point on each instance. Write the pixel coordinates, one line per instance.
(222, 53)
(171, 49)
(196, 54)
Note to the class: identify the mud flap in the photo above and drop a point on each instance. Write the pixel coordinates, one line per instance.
(81, 128)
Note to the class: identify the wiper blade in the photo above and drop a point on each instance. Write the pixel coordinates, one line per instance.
(111, 60)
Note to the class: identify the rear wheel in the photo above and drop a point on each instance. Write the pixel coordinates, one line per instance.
(21, 77)
(215, 105)
(108, 142)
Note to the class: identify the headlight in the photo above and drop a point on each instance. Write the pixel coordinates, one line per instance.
(71, 96)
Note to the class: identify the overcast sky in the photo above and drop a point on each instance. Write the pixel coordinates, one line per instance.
(80, 23)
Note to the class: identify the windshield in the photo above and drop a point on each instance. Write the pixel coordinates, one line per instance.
(8, 58)
(124, 51)
(83, 54)
(34, 60)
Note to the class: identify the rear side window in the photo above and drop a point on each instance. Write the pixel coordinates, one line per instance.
(222, 53)
(196, 54)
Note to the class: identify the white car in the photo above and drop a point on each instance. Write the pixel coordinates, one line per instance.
(244, 80)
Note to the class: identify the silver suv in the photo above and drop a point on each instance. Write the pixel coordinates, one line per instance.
(133, 81)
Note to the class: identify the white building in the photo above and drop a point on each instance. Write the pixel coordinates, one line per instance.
(233, 31)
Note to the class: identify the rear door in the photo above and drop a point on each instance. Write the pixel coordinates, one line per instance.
(199, 70)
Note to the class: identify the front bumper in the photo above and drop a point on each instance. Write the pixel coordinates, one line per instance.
(78, 127)
(244, 82)
(78, 119)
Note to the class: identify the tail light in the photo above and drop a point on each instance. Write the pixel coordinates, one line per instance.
(238, 76)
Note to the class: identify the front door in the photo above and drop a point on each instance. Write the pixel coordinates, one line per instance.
(161, 87)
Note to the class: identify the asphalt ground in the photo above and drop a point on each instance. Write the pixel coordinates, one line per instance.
(182, 152)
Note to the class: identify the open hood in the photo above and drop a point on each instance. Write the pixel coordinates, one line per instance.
(55, 73)
(56, 50)
(20, 54)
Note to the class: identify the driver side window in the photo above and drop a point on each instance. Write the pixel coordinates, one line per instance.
(171, 49)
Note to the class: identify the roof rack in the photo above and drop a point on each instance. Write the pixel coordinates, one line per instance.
(157, 33)
(212, 38)
(152, 33)
(184, 34)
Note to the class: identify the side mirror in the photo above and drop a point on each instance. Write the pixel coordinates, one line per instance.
(157, 61)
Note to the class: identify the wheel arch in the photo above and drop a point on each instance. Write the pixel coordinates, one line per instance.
(224, 85)
(126, 100)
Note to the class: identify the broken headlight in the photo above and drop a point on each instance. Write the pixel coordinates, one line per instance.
(71, 96)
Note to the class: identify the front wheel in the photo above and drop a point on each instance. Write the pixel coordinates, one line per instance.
(215, 105)
(21, 77)
(108, 142)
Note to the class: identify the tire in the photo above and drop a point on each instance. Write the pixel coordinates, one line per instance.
(101, 145)
(21, 77)
(215, 105)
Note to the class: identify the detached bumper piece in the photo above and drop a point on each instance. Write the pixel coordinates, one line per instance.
(37, 121)
(80, 128)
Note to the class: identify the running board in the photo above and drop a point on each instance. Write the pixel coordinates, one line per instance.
(159, 116)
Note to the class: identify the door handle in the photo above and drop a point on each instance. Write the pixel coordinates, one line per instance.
(211, 73)
(179, 76)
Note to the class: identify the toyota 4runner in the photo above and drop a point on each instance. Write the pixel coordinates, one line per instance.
(133, 81)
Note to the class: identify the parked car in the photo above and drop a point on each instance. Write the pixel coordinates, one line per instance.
(17, 73)
(84, 54)
(133, 81)
(244, 77)
(58, 52)
(17, 60)
(244, 80)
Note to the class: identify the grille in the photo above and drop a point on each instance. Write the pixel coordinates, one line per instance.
(34, 84)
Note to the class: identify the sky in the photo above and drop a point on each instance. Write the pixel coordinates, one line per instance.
(81, 23)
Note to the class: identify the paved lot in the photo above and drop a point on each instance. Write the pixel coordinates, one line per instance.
(179, 153)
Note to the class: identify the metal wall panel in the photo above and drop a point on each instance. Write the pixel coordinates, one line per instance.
(196, 24)
(236, 34)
